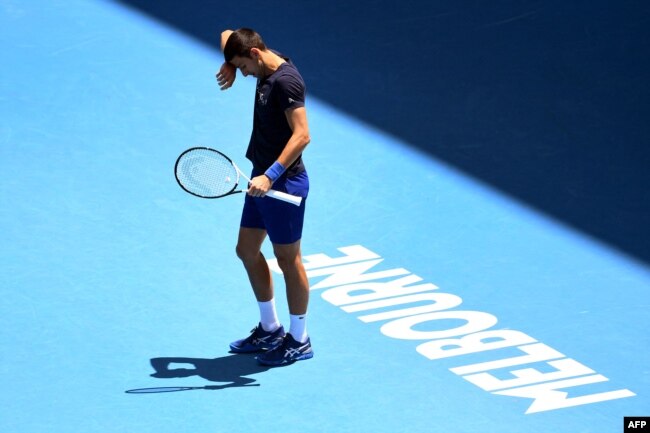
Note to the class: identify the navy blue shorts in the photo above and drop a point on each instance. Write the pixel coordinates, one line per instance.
(282, 221)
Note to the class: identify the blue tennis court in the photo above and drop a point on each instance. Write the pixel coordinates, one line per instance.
(447, 294)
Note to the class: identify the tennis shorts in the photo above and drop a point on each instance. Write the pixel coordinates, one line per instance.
(282, 221)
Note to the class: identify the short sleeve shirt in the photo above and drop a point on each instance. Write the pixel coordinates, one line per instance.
(280, 91)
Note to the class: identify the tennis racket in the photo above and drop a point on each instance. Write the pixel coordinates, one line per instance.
(208, 173)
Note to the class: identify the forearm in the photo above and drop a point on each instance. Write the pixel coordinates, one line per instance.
(292, 151)
(294, 148)
(297, 119)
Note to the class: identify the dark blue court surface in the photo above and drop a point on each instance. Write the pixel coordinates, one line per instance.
(476, 238)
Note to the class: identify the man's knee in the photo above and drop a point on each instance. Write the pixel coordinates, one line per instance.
(288, 256)
(247, 254)
(249, 244)
(287, 263)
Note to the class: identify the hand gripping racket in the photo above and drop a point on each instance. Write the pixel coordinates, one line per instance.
(208, 173)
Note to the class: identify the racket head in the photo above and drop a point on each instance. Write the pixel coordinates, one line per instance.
(206, 173)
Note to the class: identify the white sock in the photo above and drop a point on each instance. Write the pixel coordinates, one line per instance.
(298, 327)
(268, 316)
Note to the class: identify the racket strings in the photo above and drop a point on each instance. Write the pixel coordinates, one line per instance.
(207, 173)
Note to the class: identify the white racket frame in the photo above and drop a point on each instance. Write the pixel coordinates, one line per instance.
(278, 195)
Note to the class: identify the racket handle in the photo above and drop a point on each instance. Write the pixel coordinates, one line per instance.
(284, 197)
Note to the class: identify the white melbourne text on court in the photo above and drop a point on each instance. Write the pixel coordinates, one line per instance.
(349, 286)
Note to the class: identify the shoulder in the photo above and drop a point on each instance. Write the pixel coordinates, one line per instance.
(288, 78)
(290, 88)
(288, 71)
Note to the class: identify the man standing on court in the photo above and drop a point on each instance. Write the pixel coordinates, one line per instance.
(280, 134)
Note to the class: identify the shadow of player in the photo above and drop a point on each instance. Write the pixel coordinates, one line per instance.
(233, 370)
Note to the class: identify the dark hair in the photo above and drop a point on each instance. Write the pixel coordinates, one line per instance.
(240, 43)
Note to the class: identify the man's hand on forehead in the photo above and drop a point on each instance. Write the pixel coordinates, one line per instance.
(226, 75)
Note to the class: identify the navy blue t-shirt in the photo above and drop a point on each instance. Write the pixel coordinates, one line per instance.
(282, 90)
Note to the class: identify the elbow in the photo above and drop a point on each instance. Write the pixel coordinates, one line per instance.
(224, 38)
(305, 142)
(301, 140)
(305, 138)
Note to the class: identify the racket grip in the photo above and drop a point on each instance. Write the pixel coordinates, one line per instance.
(295, 200)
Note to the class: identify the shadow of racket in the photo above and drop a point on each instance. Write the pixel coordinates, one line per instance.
(161, 389)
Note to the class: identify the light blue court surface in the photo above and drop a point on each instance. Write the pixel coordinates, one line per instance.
(106, 265)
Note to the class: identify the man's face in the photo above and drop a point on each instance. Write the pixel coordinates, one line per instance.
(247, 66)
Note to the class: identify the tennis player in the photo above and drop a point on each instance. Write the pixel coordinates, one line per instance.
(279, 137)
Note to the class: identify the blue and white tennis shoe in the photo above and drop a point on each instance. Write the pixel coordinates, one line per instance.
(288, 352)
(258, 341)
